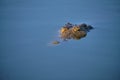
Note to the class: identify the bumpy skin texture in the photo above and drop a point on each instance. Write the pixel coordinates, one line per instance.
(65, 33)
(70, 31)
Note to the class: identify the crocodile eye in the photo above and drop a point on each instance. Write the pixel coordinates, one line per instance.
(64, 29)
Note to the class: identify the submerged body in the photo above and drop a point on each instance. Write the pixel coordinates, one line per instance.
(74, 31)
(70, 31)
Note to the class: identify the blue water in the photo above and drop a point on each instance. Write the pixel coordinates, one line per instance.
(27, 27)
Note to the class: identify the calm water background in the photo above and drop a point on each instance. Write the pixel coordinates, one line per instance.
(27, 26)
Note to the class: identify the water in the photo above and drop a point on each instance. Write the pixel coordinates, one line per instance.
(27, 26)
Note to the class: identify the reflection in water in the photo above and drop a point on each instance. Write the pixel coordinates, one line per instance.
(71, 31)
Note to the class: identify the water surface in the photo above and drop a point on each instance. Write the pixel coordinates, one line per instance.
(27, 26)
